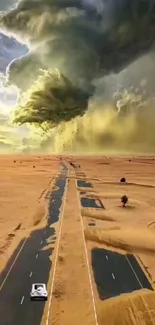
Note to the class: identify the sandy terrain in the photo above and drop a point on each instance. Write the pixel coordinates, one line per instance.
(25, 181)
(129, 229)
(137, 308)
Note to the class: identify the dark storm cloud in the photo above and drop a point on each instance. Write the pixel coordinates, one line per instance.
(83, 39)
(52, 100)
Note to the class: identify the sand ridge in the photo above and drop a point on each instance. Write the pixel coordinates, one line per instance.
(137, 308)
(128, 240)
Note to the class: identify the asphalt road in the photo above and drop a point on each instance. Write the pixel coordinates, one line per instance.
(114, 273)
(87, 202)
(81, 183)
(32, 265)
(91, 203)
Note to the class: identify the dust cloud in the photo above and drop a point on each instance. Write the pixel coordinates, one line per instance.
(125, 126)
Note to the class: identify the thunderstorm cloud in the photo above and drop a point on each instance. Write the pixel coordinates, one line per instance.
(71, 44)
(84, 40)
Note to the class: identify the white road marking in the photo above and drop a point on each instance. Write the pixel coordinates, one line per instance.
(41, 242)
(134, 272)
(13, 264)
(113, 276)
(107, 257)
(48, 314)
(57, 248)
(87, 260)
(22, 300)
(30, 274)
(37, 256)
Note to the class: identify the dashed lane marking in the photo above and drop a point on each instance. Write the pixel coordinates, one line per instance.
(22, 300)
(113, 276)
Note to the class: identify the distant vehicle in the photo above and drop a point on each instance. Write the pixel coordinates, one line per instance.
(38, 291)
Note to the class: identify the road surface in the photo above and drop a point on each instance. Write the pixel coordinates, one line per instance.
(91, 203)
(32, 265)
(81, 183)
(114, 273)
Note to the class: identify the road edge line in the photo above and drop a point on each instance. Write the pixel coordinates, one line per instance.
(13, 264)
(134, 272)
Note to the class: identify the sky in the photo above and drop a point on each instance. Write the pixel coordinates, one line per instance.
(97, 52)
(9, 50)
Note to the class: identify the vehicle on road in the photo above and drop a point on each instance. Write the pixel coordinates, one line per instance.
(38, 291)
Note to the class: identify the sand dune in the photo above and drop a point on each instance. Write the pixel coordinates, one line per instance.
(127, 239)
(137, 308)
(39, 214)
(97, 214)
(92, 179)
(86, 189)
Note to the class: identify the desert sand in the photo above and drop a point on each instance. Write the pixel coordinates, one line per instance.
(130, 228)
(25, 184)
(125, 230)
